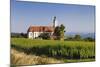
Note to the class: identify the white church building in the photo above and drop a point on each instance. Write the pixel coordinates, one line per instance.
(34, 31)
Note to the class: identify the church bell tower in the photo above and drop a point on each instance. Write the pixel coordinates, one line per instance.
(54, 21)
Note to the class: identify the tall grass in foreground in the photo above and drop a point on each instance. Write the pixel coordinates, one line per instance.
(20, 58)
(55, 48)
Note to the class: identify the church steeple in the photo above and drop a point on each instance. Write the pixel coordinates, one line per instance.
(54, 20)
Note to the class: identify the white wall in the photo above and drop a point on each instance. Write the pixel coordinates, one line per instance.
(30, 35)
(36, 34)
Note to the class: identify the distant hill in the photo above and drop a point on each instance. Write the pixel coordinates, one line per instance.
(83, 35)
(92, 35)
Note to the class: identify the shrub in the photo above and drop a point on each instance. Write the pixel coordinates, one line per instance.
(44, 36)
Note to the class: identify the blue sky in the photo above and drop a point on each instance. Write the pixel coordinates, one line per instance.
(76, 18)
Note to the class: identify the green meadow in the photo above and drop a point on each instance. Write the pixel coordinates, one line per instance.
(71, 51)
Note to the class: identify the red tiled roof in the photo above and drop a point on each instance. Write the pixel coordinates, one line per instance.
(40, 29)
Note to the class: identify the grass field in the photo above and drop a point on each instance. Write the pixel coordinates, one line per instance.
(69, 51)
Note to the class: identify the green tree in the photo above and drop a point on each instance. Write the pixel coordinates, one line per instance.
(59, 32)
(62, 30)
(77, 37)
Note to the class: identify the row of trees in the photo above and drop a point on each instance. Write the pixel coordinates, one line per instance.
(77, 37)
(19, 35)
